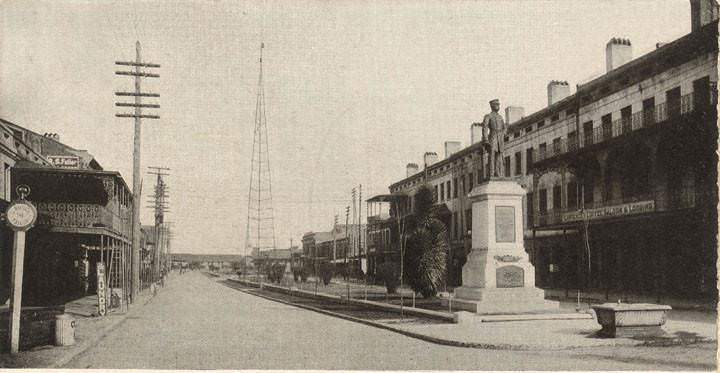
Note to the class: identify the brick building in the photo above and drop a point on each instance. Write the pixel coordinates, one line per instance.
(620, 175)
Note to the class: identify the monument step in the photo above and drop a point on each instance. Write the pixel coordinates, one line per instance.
(506, 307)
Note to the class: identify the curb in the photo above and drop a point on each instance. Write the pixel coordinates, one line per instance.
(443, 316)
(92, 341)
(454, 343)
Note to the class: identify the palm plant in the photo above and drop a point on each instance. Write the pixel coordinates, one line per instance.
(427, 249)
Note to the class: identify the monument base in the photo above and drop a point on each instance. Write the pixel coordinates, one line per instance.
(501, 301)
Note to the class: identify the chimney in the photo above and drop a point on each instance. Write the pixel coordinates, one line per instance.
(430, 158)
(476, 133)
(557, 90)
(412, 169)
(702, 12)
(452, 147)
(514, 114)
(618, 51)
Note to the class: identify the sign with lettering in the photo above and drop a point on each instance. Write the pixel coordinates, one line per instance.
(64, 161)
(101, 289)
(610, 211)
(21, 215)
(507, 258)
(510, 277)
(504, 224)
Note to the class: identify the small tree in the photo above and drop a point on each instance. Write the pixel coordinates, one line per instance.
(326, 272)
(428, 243)
(388, 273)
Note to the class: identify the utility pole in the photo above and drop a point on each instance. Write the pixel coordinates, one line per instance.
(159, 205)
(359, 236)
(347, 246)
(354, 215)
(334, 242)
(138, 115)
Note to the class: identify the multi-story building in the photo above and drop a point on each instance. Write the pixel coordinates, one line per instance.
(83, 215)
(620, 175)
(338, 246)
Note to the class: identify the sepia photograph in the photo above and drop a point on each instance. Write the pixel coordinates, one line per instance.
(498, 185)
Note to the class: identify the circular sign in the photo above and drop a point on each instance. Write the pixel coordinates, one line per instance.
(21, 215)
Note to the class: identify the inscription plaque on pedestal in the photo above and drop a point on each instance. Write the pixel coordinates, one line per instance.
(510, 277)
(504, 224)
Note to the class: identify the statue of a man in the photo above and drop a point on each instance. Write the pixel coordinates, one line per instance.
(495, 123)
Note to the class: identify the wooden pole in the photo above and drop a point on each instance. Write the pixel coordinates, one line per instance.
(16, 296)
(136, 180)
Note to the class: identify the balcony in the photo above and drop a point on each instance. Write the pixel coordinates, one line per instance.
(82, 215)
(78, 200)
(619, 127)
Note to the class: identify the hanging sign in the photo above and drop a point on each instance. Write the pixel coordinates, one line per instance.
(21, 215)
(610, 211)
(101, 289)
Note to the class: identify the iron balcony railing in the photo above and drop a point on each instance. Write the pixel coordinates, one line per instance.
(619, 127)
(83, 215)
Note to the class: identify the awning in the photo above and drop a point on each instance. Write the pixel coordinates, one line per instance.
(388, 198)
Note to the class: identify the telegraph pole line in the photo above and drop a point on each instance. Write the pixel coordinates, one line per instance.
(359, 239)
(354, 214)
(138, 73)
(160, 207)
(347, 247)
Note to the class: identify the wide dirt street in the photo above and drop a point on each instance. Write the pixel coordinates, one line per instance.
(197, 323)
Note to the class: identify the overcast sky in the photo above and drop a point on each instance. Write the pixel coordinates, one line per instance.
(354, 89)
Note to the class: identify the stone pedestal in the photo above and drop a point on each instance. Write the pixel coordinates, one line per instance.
(498, 277)
(631, 320)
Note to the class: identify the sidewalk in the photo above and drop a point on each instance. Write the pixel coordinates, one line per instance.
(595, 297)
(553, 334)
(88, 331)
(682, 327)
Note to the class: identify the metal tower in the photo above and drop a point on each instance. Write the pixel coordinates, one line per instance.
(260, 232)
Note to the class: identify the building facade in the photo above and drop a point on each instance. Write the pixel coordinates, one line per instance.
(620, 175)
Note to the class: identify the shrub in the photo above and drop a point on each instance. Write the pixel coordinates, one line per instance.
(300, 274)
(389, 274)
(304, 272)
(326, 273)
(275, 272)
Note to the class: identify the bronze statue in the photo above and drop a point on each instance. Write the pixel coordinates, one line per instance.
(496, 138)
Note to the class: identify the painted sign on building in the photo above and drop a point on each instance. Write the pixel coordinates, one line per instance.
(101, 290)
(64, 161)
(610, 211)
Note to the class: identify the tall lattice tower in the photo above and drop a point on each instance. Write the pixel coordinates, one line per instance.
(260, 232)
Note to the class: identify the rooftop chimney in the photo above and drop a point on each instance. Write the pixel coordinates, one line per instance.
(476, 133)
(430, 158)
(412, 169)
(514, 114)
(618, 51)
(702, 12)
(557, 90)
(452, 147)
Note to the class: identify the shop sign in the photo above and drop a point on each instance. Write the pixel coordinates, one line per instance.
(64, 161)
(101, 290)
(21, 215)
(610, 211)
